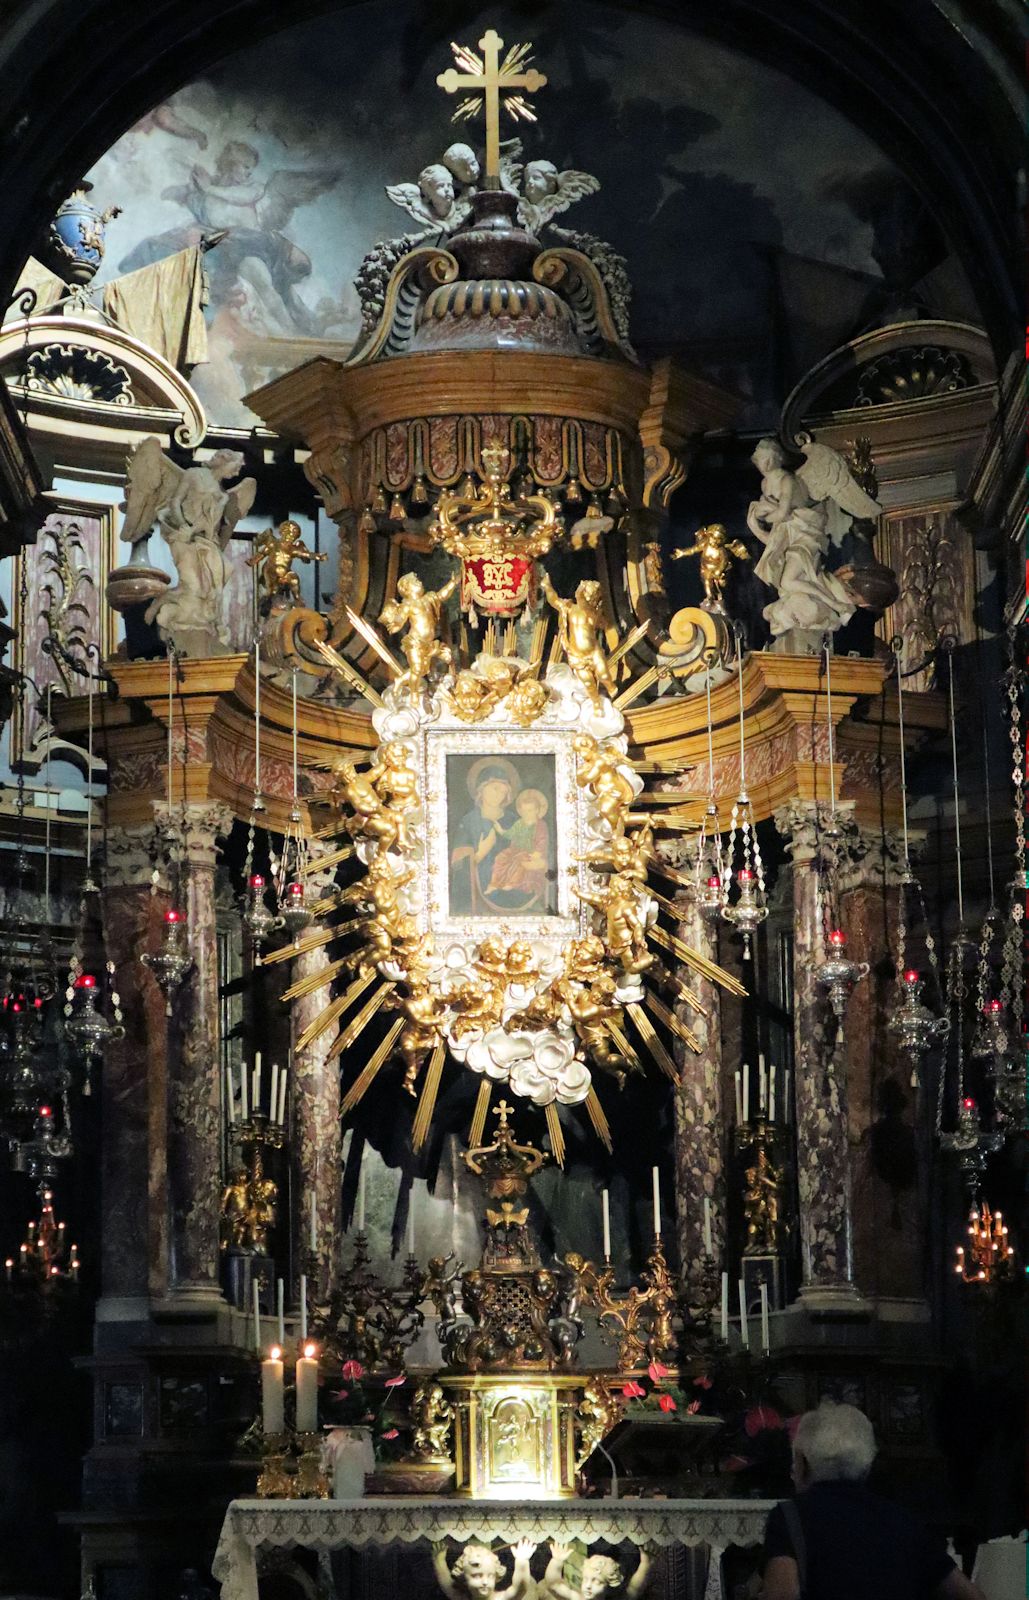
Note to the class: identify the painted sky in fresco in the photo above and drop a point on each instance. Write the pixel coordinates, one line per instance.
(744, 204)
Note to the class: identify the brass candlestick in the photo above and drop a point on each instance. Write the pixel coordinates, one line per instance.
(250, 1202)
(275, 1481)
(310, 1482)
(764, 1180)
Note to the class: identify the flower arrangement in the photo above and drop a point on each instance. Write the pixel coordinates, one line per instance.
(365, 1401)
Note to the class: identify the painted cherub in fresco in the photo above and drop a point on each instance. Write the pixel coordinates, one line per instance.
(601, 1575)
(477, 1572)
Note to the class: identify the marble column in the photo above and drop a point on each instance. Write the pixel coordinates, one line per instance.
(700, 1147)
(315, 1133)
(194, 1076)
(823, 1154)
(889, 1149)
(133, 1084)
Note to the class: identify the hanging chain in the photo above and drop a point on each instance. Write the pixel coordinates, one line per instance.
(1012, 972)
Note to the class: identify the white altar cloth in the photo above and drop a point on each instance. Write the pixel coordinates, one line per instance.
(324, 1525)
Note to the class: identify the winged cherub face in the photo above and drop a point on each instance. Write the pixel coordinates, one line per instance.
(462, 161)
(540, 180)
(437, 188)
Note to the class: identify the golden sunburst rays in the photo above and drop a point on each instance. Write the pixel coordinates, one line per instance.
(557, 1138)
(479, 1115)
(427, 1099)
(371, 638)
(348, 672)
(601, 1126)
(648, 1033)
(673, 1023)
(332, 858)
(331, 1013)
(356, 1026)
(356, 1093)
(693, 958)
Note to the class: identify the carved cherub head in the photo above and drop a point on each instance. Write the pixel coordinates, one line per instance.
(477, 1570)
(437, 186)
(599, 1573)
(461, 160)
(409, 587)
(588, 594)
(540, 179)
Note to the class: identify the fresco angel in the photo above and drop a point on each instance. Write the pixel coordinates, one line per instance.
(795, 517)
(195, 514)
(546, 192)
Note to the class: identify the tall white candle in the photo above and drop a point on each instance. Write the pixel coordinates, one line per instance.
(708, 1247)
(657, 1202)
(744, 1330)
(303, 1307)
(307, 1391)
(273, 1413)
(281, 1306)
(257, 1313)
(762, 1087)
(410, 1225)
(361, 1199)
(771, 1093)
(725, 1308)
(273, 1101)
(230, 1097)
(765, 1343)
(282, 1097)
(244, 1102)
(314, 1222)
(605, 1207)
(255, 1084)
(746, 1092)
(739, 1099)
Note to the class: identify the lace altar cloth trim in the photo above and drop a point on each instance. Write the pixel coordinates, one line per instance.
(335, 1524)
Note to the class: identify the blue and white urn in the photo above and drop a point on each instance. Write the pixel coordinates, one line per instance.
(75, 244)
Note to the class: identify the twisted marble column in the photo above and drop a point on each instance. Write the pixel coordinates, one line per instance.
(699, 1131)
(823, 1158)
(315, 1134)
(133, 1082)
(194, 1078)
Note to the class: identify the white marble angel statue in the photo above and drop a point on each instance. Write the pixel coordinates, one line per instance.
(601, 1576)
(195, 514)
(796, 516)
(478, 1572)
(546, 192)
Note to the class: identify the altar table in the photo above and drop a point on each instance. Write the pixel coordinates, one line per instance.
(326, 1525)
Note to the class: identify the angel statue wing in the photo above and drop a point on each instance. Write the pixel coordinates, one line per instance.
(150, 480)
(571, 186)
(511, 165)
(285, 191)
(409, 198)
(237, 506)
(827, 476)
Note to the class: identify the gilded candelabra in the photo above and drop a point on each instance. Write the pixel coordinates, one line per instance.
(368, 1320)
(764, 1181)
(639, 1321)
(988, 1258)
(250, 1202)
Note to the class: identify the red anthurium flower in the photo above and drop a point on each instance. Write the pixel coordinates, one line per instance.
(666, 1402)
(392, 1433)
(703, 1382)
(758, 1418)
(633, 1390)
(340, 1394)
(657, 1371)
(352, 1370)
(693, 1407)
(394, 1383)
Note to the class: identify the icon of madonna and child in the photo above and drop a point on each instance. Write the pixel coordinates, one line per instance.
(501, 841)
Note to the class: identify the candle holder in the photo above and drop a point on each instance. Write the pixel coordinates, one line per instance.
(706, 1290)
(310, 1480)
(275, 1481)
(989, 1257)
(640, 1321)
(250, 1202)
(368, 1320)
(763, 1186)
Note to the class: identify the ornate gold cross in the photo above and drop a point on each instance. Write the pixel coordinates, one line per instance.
(492, 79)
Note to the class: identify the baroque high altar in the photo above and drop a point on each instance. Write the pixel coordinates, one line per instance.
(509, 827)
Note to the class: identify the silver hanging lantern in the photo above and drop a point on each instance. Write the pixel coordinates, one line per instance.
(837, 974)
(912, 1024)
(173, 961)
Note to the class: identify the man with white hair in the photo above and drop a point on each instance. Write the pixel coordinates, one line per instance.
(839, 1541)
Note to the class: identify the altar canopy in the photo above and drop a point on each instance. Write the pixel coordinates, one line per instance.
(513, 785)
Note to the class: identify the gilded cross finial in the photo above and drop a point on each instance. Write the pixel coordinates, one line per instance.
(494, 81)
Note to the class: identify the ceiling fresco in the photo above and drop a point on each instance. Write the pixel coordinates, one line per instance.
(760, 227)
